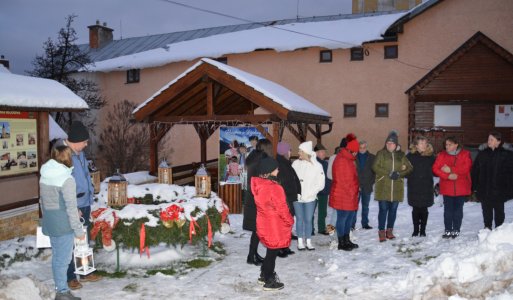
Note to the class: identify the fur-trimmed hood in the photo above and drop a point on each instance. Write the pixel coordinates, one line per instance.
(429, 150)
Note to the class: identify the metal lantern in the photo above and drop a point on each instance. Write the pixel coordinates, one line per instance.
(83, 257)
(202, 182)
(165, 173)
(95, 177)
(117, 195)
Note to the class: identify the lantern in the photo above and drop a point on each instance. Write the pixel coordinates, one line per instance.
(95, 177)
(202, 182)
(165, 173)
(117, 192)
(83, 257)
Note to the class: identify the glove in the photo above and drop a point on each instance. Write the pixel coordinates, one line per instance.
(394, 175)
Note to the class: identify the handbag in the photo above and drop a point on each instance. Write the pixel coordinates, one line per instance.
(42, 240)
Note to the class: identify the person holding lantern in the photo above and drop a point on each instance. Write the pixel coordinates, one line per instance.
(78, 138)
(60, 216)
(273, 221)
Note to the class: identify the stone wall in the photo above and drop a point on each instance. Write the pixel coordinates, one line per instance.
(19, 222)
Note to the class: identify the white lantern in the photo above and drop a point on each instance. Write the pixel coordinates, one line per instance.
(165, 173)
(202, 182)
(83, 257)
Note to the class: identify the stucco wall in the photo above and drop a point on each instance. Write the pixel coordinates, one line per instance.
(426, 41)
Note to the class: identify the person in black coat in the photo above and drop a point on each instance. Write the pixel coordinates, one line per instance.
(420, 183)
(264, 148)
(289, 181)
(366, 178)
(492, 179)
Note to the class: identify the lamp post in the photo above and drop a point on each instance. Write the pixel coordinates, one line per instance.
(165, 173)
(117, 192)
(202, 182)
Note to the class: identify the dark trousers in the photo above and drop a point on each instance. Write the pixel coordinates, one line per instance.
(253, 244)
(322, 212)
(453, 212)
(491, 209)
(364, 199)
(419, 216)
(269, 263)
(344, 221)
(387, 214)
(86, 212)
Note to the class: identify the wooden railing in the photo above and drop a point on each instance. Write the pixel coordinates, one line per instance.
(184, 174)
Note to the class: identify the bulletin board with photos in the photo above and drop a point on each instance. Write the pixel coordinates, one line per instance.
(18, 143)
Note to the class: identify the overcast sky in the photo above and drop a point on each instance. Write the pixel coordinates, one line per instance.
(26, 24)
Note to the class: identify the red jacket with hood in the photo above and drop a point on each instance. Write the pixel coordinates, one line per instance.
(344, 186)
(460, 164)
(274, 221)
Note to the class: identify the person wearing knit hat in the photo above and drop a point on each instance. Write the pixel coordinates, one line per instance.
(273, 220)
(390, 167)
(78, 138)
(322, 196)
(344, 192)
(290, 183)
(311, 176)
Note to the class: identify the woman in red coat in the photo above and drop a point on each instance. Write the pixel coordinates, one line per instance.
(344, 192)
(273, 222)
(453, 167)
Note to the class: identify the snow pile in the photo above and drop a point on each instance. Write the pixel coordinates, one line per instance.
(338, 34)
(26, 288)
(479, 268)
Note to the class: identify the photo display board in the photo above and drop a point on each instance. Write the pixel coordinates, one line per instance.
(18, 143)
(504, 115)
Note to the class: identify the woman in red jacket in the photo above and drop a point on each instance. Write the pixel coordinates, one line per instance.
(273, 221)
(344, 192)
(453, 167)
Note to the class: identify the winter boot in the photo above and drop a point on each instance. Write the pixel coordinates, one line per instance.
(423, 223)
(66, 296)
(343, 245)
(416, 224)
(300, 245)
(273, 283)
(390, 233)
(309, 245)
(455, 234)
(447, 234)
(261, 278)
(348, 241)
(382, 236)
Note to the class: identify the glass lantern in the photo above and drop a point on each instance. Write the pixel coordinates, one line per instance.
(117, 191)
(95, 176)
(202, 182)
(165, 173)
(83, 257)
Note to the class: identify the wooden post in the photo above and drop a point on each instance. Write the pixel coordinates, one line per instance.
(154, 143)
(275, 137)
(43, 140)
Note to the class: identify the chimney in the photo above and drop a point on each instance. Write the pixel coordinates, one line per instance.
(99, 35)
(4, 62)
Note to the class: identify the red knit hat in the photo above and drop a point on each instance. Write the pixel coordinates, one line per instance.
(352, 143)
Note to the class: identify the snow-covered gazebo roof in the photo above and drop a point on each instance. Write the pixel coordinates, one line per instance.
(18, 92)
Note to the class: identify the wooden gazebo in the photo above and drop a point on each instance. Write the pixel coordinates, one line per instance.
(477, 76)
(211, 94)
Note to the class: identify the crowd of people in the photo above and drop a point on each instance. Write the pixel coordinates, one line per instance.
(282, 193)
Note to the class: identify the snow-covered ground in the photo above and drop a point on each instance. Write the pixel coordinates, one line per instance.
(476, 265)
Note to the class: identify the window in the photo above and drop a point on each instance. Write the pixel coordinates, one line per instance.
(391, 52)
(356, 53)
(132, 76)
(349, 110)
(381, 110)
(223, 60)
(326, 56)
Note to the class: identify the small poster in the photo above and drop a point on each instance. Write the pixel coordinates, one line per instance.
(18, 143)
(504, 115)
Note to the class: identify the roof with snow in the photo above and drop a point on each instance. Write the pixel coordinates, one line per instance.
(25, 92)
(331, 32)
(235, 96)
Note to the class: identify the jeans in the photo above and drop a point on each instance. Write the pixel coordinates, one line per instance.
(364, 199)
(304, 217)
(453, 212)
(344, 221)
(333, 216)
(86, 212)
(62, 249)
(322, 212)
(387, 214)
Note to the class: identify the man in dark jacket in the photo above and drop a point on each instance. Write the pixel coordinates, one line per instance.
(492, 178)
(289, 181)
(322, 196)
(366, 177)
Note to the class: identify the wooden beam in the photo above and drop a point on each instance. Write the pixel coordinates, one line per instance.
(210, 98)
(264, 132)
(43, 140)
(204, 118)
(180, 100)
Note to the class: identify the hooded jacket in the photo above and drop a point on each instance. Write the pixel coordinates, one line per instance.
(58, 200)
(385, 163)
(344, 188)
(311, 176)
(420, 180)
(274, 221)
(460, 164)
